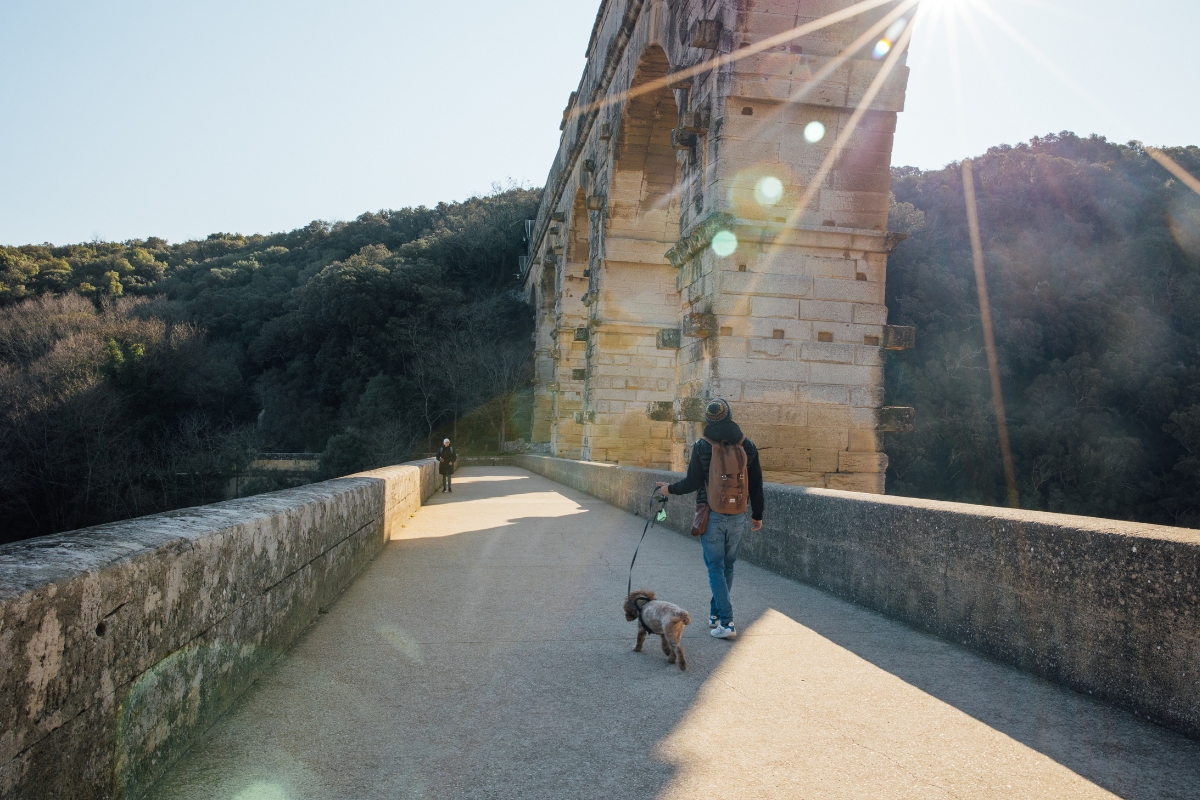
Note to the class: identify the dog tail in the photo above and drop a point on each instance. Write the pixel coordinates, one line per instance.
(687, 618)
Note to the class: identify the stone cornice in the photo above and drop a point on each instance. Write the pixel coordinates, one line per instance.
(699, 238)
(596, 28)
(753, 230)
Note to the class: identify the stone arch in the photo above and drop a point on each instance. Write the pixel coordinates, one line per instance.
(577, 237)
(643, 201)
(543, 295)
(570, 315)
(546, 291)
(571, 283)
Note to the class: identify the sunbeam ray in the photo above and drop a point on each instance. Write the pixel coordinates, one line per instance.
(1162, 158)
(1172, 166)
(989, 58)
(989, 338)
(1057, 71)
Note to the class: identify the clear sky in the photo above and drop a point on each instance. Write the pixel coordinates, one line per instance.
(133, 118)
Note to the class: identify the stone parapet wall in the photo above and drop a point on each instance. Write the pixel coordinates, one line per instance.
(120, 644)
(484, 461)
(1109, 608)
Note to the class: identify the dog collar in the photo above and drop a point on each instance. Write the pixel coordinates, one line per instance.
(642, 622)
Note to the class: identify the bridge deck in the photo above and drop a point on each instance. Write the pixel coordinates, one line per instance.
(485, 655)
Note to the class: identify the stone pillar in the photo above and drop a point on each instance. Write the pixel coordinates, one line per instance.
(570, 333)
(544, 361)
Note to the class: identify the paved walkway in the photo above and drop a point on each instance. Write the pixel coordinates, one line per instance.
(485, 655)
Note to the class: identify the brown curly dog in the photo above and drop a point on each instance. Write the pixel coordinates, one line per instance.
(659, 617)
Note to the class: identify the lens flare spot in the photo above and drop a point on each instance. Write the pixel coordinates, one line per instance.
(1183, 218)
(881, 48)
(814, 132)
(403, 641)
(895, 29)
(262, 791)
(724, 243)
(768, 191)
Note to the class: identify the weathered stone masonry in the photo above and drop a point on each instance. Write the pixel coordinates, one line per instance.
(640, 320)
(121, 644)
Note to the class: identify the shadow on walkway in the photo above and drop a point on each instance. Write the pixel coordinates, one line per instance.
(484, 654)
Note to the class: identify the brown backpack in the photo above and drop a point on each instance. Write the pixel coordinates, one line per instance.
(727, 480)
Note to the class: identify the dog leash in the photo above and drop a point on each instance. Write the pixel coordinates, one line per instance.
(651, 518)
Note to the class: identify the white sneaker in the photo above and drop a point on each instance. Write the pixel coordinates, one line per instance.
(724, 632)
(712, 622)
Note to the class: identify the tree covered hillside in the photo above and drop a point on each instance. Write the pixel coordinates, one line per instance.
(1092, 253)
(138, 376)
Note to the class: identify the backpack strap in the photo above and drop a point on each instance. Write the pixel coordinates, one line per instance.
(712, 451)
(740, 442)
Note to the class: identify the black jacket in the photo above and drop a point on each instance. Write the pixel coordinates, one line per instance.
(447, 456)
(696, 479)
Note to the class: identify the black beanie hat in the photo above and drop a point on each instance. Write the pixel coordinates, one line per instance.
(717, 410)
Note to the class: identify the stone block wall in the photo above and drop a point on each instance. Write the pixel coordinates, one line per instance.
(1111, 609)
(121, 644)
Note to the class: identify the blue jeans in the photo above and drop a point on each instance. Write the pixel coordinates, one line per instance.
(720, 542)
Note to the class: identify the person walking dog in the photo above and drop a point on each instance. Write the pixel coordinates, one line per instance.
(726, 475)
(446, 458)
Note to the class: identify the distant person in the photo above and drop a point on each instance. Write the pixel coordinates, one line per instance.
(446, 458)
(741, 483)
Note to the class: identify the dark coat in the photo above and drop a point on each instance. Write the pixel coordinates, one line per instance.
(447, 457)
(696, 479)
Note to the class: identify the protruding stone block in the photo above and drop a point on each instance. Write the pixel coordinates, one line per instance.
(705, 34)
(682, 140)
(668, 339)
(899, 337)
(695, 121)
(893, 238)
(897, 419)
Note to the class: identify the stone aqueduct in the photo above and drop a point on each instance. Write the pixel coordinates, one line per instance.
(639, 318)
